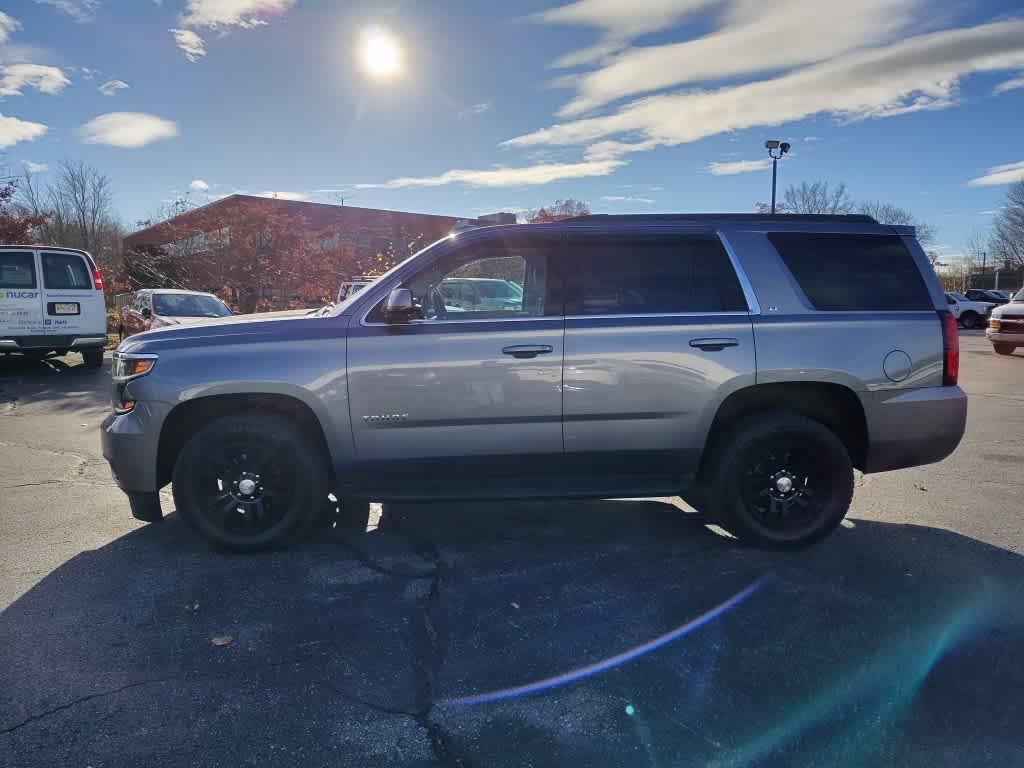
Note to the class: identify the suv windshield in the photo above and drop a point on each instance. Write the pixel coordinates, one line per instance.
(188, 305)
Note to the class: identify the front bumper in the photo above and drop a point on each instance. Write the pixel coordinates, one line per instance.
(1004, 338)
(908, 428)
(130, 442)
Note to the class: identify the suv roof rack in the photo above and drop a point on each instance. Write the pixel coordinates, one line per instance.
(857, 218)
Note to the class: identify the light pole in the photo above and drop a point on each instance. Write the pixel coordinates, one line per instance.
(783, 147)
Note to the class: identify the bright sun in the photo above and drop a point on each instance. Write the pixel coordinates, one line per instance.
(380, 54)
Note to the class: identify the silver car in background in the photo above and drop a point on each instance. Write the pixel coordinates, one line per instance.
(748, 363)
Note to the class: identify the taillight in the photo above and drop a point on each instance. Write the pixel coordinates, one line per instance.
(950, 349)
(97, 279)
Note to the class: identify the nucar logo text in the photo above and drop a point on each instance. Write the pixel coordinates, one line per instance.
(20, 294)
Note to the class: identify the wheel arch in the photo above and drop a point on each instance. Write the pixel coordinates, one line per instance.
(837, 406)
(189, 415)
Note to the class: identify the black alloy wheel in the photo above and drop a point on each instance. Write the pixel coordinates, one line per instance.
(782, 480)
(250, 481)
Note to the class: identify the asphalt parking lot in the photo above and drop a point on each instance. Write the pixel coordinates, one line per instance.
(896, 641)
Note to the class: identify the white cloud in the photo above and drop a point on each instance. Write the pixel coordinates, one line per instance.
(915, 74)
(13, 130)
(44, 79)
(531, 175)
(220, 15)
(1000, 174)
(737, 166)
(620, 21)
(811, 138)
(193, 46)
(199, 185)
(476, 109)
(1009, 85)
(79, 10)
(127, 129)
(31, 167)
(8, 25)
(111, 87)
(284, 195)
(748, 42)
(627, 199)
(232, 13)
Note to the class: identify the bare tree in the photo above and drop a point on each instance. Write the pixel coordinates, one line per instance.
(1008, 229)
(76, 208)
(817, 197)
(560, 209)
(887, 213)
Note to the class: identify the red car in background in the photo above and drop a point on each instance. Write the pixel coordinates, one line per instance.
(161, 307)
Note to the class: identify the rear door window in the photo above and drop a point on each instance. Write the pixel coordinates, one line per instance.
(656, 275)
(17, 269)
(65, 271)
(853, 273)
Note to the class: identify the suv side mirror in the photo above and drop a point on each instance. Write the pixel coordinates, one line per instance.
(147, 312)
(399, 307)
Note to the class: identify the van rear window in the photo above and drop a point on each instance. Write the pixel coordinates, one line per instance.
(851, 273)
(65, 270)
(17, 269)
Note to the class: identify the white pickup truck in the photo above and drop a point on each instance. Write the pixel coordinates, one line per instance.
(970, 314)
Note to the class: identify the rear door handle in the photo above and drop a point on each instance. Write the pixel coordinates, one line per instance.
(714, 345)
(524, 351)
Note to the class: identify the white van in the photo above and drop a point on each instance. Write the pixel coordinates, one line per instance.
(51, 300)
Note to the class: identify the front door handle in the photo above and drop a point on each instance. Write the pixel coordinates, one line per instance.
(714, 345)
(525, 351)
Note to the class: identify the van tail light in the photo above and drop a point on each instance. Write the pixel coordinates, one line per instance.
(950, 349)
(97, 279)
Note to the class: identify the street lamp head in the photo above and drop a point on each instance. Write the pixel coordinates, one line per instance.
(784, 147)
(771, 144)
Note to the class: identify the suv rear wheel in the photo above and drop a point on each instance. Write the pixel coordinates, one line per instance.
(969, 319)
(782, 480)
(250, 481)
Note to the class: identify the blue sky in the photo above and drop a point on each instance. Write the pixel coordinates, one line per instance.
(646, 105)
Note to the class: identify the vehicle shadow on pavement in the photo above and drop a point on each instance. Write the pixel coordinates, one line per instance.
(884, 645)
(62, 383)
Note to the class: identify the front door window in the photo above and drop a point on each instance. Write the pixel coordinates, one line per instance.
(486, 282)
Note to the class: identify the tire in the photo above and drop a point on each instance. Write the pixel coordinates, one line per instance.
(1003, 349)
(969, 320)
(746, 492)
(93, 357)
(285, 470)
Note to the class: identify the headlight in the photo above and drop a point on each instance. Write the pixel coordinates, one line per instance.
(995, 323)
(129, 366)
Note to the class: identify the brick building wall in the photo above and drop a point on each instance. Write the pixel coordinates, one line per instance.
(370, 239)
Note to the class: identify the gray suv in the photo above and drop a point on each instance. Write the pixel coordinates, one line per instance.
(748, 363)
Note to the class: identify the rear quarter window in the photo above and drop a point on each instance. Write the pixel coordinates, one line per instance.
(853, 273)
(17, 269)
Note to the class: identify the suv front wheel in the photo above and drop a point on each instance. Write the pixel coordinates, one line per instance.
(781, 480)
(250, 481)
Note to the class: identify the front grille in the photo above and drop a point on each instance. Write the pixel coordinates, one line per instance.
(1011, 326)
(50, 342)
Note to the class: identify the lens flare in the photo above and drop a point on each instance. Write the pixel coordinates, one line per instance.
(610, 663)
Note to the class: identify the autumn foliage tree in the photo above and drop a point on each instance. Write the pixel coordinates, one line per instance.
(16, 226)
(262, 255)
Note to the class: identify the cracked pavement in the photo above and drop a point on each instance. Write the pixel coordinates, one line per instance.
(894, 642)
